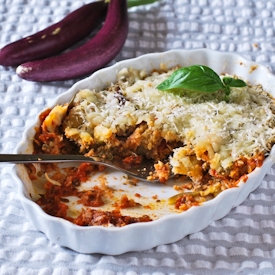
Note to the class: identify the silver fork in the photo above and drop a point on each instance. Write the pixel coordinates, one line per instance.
(140, 171)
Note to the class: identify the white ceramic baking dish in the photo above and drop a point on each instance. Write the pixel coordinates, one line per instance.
(170, 225)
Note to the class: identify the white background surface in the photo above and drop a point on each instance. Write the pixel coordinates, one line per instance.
(241, 243)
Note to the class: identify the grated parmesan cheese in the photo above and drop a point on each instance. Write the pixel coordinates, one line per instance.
(208, 129)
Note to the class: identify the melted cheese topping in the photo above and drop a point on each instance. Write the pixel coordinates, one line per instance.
(204, 123)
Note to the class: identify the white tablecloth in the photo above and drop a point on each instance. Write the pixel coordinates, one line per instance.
(241, 243)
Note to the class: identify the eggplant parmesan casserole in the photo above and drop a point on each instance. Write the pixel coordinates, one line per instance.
(201, 137)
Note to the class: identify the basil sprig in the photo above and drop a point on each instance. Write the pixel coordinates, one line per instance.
(199, 78)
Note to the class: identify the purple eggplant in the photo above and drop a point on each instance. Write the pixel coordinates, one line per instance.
(57, 37)
(86, 59)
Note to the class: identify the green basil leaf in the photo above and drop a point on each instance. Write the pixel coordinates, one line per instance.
(194, 78)
(233, 82)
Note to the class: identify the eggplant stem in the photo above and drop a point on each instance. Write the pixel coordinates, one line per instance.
(133, 3)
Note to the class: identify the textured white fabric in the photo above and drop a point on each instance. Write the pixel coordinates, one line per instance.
(241, 243)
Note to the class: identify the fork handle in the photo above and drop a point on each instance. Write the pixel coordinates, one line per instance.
(40, 158)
